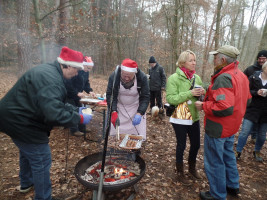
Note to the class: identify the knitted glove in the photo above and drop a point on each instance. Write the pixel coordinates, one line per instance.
(85, 118)
(115, 119)
(137, 119)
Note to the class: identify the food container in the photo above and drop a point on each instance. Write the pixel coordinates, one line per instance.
(131, 142)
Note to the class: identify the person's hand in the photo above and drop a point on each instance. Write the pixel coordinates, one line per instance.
(80, 110)
(137, 119)
(92, 94)
(115, 119)
(197, 92)
(85, 118)
(199, 105)
(81, 95)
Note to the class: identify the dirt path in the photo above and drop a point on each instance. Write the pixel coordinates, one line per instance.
(158, 182)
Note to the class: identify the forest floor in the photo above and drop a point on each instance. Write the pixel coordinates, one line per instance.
(159, 181)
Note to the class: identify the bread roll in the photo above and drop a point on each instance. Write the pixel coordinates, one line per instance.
(87, 111)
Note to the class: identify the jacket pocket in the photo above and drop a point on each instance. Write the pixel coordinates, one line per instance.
(213, 129)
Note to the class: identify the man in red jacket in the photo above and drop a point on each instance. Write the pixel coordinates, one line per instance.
(225, 105)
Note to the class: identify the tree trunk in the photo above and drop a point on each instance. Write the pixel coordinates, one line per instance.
(63, 21)
(218, 21)
(263, 43)
(23, 36)
(40, 29)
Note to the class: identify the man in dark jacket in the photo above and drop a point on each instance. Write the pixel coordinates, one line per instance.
(261, 59)
(157, 82)
(75, 88)
(29, 111)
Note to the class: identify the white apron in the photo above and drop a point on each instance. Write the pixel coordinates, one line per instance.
(128, 103)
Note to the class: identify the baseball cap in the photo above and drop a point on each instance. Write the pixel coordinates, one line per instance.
(227, 50)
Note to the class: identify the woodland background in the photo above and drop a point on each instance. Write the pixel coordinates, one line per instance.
(33, 32)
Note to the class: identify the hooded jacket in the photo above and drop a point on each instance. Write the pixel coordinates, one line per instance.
(142, 87)
(251, 69)
(177, 91)
(225, 102)
(35, 104)
(257, 110)
(157, 78)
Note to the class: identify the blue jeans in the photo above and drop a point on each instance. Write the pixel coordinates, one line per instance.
(35, 163)
(247, 126)
(220, 165)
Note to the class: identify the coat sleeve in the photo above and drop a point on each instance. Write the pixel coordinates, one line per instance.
(175, 95)
(72, 92)
(163, 78)
(50, 100)
(115, 91)
(144, 95)
(221, 101)
(87, 88)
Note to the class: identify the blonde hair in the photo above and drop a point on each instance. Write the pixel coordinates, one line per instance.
(264, 66)
(184, 56)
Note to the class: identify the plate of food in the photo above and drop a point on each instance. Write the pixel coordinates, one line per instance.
(90, 100)
(131, 141)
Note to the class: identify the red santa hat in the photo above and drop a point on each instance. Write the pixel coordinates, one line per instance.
(88, 61)
(70, 57)
(129, 65)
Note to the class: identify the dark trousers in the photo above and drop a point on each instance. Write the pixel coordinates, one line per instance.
(181, 132)
(155, 95)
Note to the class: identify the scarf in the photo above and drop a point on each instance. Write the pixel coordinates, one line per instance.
(129, 84)
(189, 74)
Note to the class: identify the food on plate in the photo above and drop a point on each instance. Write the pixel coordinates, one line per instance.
(136, 137)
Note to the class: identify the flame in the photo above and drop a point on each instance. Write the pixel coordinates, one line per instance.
(118, 170)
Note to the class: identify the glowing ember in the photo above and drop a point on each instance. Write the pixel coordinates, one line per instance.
(114, 172)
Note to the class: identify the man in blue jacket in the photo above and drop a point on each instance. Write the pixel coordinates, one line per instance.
(29, 111)
(75, 87)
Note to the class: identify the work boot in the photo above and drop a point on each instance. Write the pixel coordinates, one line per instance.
(180, 172)
(193, 171)
(233, 191)
(257, 156)
(206, 196)
(24, 189)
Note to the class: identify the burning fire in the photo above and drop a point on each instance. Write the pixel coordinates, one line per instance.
(114, 173)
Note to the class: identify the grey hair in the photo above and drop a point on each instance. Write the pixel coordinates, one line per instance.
(228, 58)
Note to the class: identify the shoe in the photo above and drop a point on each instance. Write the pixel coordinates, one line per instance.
(257, 156)
(206, 196)
(238, 155)
(25, 189)
(180, 174)
(233, 191)
(78, 133)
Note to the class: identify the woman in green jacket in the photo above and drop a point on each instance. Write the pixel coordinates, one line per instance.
(184, 86)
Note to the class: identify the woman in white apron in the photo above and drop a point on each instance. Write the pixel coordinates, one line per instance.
(130, 99)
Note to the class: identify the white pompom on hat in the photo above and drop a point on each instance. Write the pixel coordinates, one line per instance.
(129, 65)
(88, 61)
(70, 57)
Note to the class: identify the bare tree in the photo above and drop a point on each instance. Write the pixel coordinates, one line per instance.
(23, 36)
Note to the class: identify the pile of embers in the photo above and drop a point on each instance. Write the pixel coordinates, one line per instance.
(116, 171)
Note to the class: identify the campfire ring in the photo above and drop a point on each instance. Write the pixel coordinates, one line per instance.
(89, 160)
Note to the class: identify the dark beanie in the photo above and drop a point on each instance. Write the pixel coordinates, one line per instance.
(262, 53)
(152, 60)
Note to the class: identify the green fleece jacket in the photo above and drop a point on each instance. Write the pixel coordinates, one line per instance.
(177, 91)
